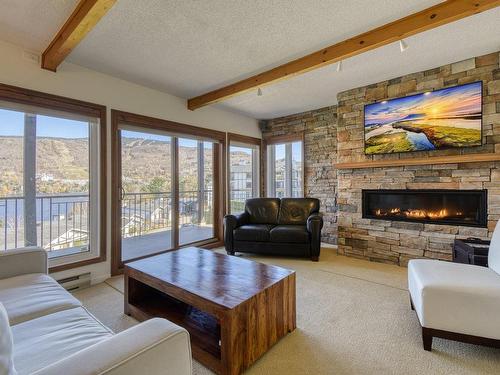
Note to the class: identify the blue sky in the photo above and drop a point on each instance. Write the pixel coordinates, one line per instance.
(12, 124)
(296, 151)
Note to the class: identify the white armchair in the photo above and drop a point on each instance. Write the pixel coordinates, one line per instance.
(456, 301)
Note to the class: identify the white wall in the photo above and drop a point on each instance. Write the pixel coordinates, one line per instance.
(76, 82)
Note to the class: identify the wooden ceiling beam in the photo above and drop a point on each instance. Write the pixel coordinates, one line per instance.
(83, 19)
(438, 15)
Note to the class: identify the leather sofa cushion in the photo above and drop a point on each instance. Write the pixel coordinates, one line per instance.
(252, 232)
(295, 211)
(263, 210)
(33, 295)
(289, 233)
(48, 339)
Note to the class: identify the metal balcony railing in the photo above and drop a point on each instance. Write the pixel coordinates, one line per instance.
(62, 221)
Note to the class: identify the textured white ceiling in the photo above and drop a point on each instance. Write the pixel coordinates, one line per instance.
(473, 36)
(190, 47)
(33, 23)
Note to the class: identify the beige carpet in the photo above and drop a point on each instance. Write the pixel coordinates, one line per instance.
(353, 317)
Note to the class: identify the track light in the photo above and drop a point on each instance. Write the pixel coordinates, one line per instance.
(402, 45)
(339, 66)
(259, 92)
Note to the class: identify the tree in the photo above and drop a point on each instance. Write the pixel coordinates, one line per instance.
(157, 185)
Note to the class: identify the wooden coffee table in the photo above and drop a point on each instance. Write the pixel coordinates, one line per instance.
(234, 309)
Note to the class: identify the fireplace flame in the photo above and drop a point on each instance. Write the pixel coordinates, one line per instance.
(416, 214)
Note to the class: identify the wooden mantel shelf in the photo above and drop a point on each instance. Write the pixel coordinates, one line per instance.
(470, 158)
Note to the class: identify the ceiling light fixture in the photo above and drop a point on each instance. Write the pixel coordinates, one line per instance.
(402, 45)
(259, 92)
(339, 66)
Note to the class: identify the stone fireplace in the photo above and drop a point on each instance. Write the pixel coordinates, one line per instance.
(444, 207)
(335, 135)
(399, 211)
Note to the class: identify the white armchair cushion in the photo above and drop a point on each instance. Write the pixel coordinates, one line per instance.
(30, 296)
(48, 339)
(456, 297)
(494, 251)
(6, 357)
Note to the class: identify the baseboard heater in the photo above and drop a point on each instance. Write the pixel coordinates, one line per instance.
(77, 282)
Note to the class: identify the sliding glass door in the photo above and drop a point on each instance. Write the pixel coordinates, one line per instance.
(169, 187)
(146, 193)
(196, 215)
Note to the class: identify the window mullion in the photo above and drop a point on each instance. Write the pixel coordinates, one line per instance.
(29, 177)
(175, 192)
(288, 170)
(271, 168)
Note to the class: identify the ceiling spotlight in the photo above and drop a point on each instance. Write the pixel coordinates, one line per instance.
(402, 45)
(259, 92)
(427, 93)
(339, 66)
(384, 102)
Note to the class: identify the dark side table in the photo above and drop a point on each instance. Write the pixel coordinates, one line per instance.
(471, 251)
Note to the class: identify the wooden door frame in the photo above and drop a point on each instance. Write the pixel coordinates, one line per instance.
(179, 130)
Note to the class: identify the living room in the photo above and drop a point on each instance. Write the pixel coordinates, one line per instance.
(260, 187)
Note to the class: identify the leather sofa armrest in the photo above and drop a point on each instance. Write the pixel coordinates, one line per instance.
(23, 261)
(314, 226)
(236, 220)
(231, 222)
(154, 347)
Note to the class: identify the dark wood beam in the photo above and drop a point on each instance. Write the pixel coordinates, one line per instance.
(83, 19)
(438, 15)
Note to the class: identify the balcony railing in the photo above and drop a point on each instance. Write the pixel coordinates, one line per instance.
(62, 221)
(149, 212)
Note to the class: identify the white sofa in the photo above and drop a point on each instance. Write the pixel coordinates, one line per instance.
(458, 301)
(52, 333)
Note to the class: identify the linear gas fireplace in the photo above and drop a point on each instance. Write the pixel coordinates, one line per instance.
(451, 207)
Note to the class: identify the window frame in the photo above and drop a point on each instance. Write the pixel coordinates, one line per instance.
(269, 162)
(240, 139)
(56, 103)
(176, 130)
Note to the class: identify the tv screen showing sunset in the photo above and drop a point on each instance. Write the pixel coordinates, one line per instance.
(446, 118)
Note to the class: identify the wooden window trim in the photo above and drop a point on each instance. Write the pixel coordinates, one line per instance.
(179, 130)
(287, 138)
(166, 125)
(59, 103)
(233, 137)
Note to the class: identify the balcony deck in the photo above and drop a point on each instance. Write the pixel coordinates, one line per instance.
(148, 244)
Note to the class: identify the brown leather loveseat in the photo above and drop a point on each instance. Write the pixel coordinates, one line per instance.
(287, 226)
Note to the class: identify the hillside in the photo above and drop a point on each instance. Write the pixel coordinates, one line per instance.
(62, 165)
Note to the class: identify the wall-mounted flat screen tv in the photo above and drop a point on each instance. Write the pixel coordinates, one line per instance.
(433, 120)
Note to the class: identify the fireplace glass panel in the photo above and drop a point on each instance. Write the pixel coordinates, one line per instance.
(455, 207)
